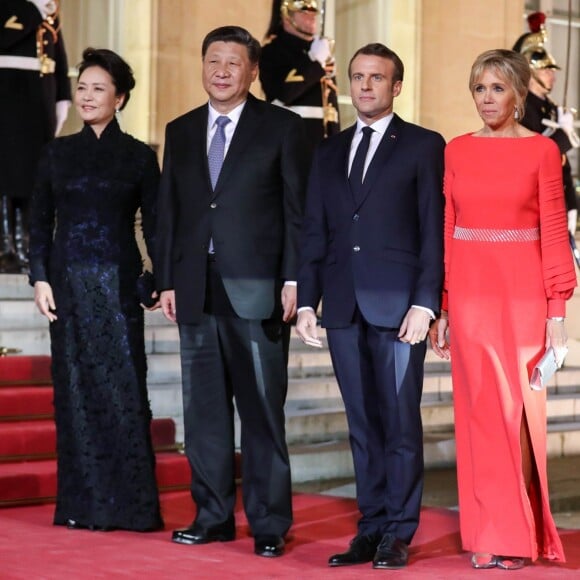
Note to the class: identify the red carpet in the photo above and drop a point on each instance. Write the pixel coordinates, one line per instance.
(30, 547)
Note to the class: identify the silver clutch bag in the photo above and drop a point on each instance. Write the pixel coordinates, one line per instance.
(545, 369)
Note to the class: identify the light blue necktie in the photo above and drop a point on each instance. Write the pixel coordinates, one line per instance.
(215, 155)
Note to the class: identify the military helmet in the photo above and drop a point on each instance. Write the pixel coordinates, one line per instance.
(539, 58)
(289, 6)
(531, 44)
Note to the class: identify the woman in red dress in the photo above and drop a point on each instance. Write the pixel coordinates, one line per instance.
(508, 273)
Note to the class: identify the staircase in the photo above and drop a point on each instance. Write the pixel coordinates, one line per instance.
(315, 420)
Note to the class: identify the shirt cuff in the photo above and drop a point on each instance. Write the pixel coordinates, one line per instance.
(304, 309)
(290, 283)
(425, 309)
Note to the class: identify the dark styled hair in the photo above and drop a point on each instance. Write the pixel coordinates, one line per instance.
(110, 61)
(511, 66)
(235, 34)
(380, 50)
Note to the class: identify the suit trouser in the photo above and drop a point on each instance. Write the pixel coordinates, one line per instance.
(381, 381)
(222, 358)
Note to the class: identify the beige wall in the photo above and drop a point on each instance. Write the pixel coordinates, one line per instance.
(125, 26)
(453, 33)
(395, 23)
(181, 27)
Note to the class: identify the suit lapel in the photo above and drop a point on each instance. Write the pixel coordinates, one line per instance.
(193, 146)
(343, 158)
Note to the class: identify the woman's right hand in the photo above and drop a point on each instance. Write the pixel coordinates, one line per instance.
(44, 300)
(438, 337)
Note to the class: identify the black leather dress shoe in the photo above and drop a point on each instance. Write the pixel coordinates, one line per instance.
(269, 546)
(362, 549)
(392, 553)
(196, 534)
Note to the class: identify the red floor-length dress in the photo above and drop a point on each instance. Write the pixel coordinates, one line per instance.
(508, 266)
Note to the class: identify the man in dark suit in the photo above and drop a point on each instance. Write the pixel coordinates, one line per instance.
(226, 265)
(372, 250)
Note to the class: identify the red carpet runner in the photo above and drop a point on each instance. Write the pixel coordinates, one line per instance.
(30, 547)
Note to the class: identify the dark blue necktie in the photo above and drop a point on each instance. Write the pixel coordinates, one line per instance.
(358, 163)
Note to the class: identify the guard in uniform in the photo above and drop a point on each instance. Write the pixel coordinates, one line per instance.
(35, 96)
(541, 113)
(297, 68)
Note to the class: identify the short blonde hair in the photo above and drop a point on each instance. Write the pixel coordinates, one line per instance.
(511, 66)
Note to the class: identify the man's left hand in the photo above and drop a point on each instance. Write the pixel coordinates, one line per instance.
(288, 302)
(415, 326)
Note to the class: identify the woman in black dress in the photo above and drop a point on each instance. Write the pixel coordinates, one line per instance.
(85, 264)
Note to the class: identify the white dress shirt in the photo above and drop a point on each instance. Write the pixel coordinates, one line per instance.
(234, 116)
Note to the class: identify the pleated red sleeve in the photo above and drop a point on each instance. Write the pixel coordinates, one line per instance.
(557, 262)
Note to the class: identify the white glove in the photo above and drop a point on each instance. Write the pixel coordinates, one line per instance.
(572, 219)
(320, 51)
(45, 7)
(566, 123)
(62, 108)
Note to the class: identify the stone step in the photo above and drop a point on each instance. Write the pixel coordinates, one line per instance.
(332, 458)
(310, 423)
(31, 341)
(313, 388)
(14, 287)
(329, 459)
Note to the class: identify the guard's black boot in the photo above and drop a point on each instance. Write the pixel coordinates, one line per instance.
(21, 239)
(8, 258)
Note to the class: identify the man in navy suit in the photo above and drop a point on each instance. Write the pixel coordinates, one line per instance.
(372, 250)
(226, 261)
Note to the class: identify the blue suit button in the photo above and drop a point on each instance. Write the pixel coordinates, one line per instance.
(356, 248)
(355, 217)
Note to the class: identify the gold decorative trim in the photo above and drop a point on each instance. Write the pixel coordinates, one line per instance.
(13, 24)
(294, 77)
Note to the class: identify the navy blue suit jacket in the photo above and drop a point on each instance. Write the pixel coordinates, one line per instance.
(384, 253)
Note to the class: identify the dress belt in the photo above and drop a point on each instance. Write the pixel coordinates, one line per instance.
(305, 111)
(492, 235)
(20, 62)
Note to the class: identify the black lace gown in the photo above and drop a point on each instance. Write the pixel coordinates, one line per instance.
(82, 241)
